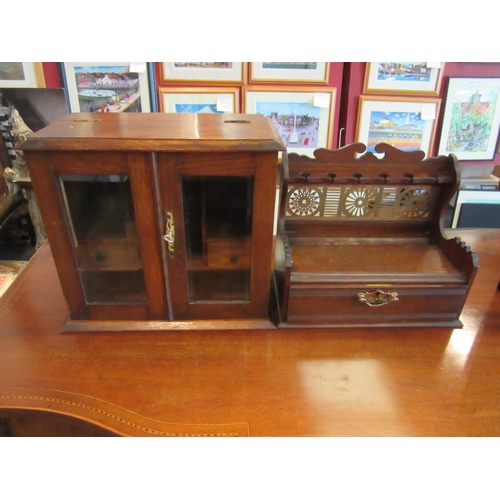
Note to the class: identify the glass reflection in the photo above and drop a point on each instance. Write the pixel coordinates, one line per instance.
(101, 217)
(218, 228)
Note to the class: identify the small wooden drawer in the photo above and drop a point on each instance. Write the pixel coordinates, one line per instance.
(108, 255)
(324, 304)
(229, 253)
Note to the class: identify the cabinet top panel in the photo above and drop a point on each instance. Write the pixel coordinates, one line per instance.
(157, 132)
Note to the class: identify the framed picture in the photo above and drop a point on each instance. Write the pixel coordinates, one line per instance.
(21, 74)
(293, 72)
(471, 119)
(303, 117)
(404, 123)
(410, 78)
(112, 87)
(199, 100)
(206, 73)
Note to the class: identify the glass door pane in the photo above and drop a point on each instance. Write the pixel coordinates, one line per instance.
(102, 222)
(218, 228)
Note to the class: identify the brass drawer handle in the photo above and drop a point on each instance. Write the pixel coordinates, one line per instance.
(170, 232)
(377, 298)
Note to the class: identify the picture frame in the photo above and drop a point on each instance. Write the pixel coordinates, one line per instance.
(290, 72)
(21, 74)
(304, 117)
(203, 73)
(199, 100)
(471, 120)
(403, 78)
(405, 123)
(473, 196)
(115, 87)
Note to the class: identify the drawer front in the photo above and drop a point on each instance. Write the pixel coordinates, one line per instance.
(229, 254)
(329, 305)
(108, 255)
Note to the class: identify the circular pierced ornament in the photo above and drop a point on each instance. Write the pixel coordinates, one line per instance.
(359, 202)
(414, 203)
(304, 201)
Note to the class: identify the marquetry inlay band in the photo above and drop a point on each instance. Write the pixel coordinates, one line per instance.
(117, 418)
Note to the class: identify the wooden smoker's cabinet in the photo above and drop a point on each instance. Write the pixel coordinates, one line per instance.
(159, 221)
(361, 242)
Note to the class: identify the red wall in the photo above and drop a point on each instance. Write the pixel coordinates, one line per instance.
(52, 76)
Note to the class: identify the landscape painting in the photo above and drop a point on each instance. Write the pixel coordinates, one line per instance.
(110, 89)
(404, 71)
(303, 118)
(203, 65)
(297, 122)
(410, 78)
(200, 100)
(11, 71)
(197, 108)
(298, 72)
(290, 65)
(210, 73)
(403, 130)
(407, 124)
(472, 118)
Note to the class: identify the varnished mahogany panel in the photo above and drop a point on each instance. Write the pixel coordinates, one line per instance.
(88, 163)
(337, 305)
(156, 132)
(354, 257)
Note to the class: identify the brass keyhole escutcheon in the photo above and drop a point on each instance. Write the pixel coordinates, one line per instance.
(170, 231)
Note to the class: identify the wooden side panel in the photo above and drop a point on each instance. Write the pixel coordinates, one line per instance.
(50, 202)
(266, 171)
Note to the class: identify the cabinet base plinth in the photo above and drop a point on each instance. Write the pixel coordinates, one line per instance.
(72, 326)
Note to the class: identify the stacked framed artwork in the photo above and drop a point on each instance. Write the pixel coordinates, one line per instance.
(295, 96)
(406, 111)
(401, 103)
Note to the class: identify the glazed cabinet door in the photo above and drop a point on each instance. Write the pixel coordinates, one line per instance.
(106, 243)
(218, 211)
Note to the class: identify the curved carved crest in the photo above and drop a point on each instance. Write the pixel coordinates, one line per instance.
(357, 151)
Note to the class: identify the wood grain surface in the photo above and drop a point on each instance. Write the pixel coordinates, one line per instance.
(267, 382)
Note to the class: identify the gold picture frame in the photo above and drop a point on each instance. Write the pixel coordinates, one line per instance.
(290, 72)
(403, 78)
(203, 73)
(303, 116)
(406, 123)
(199, 100)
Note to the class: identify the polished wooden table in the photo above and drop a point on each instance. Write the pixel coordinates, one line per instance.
(299, 382)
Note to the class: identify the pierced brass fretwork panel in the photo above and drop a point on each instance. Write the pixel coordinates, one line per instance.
(415, 202)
